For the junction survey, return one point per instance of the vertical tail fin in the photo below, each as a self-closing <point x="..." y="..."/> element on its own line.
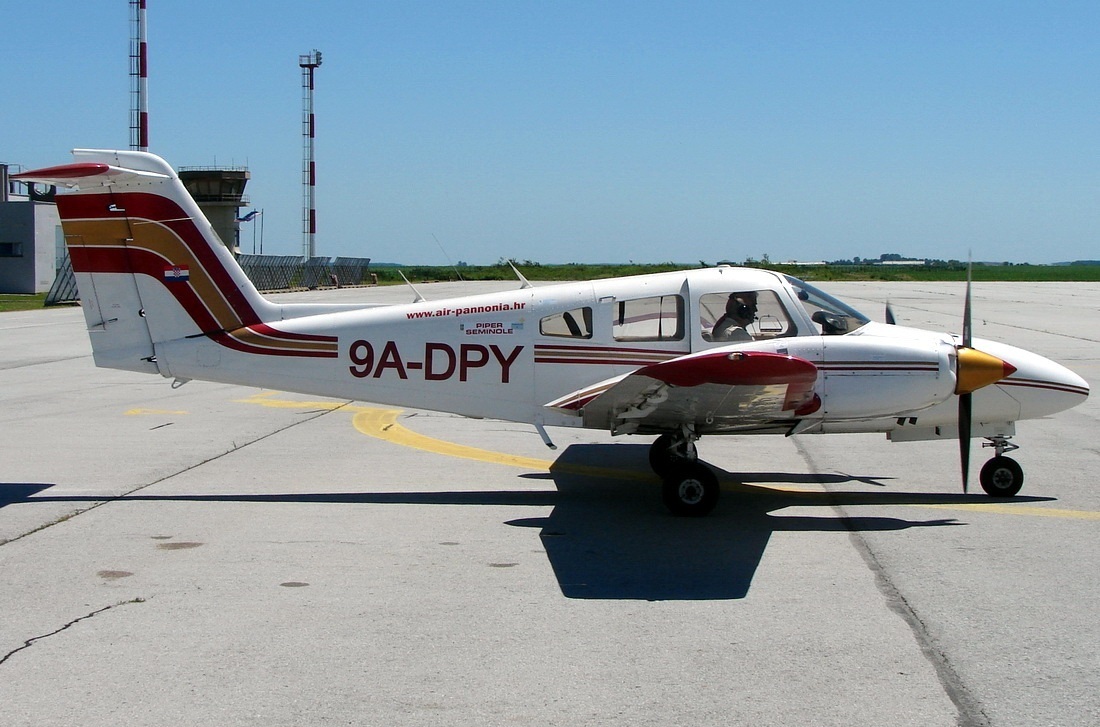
<point x="149" y="266"/>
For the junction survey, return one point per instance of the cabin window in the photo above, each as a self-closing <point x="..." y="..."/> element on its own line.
<point x="576" y="323"/>
<point x="735" y="316"/>
<point x="660" y="318"/>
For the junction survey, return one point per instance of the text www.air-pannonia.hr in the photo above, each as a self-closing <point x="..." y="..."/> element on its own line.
<point x="443" y="312"/>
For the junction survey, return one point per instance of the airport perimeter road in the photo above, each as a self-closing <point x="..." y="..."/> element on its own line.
<point x="216" y="555"/>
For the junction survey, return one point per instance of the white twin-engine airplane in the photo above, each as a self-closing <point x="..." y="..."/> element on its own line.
<point x="679" y="355"/>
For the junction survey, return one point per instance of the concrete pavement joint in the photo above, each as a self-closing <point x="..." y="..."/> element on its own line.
<point x="968" y="706"/>
<point x="139" y="488"/>
<point x="40" y="362"/>
<point x="990" y="321"/>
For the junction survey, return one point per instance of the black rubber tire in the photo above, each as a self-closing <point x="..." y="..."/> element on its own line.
<point x="1001" y="477"/>
<point x="665" y="456"/>
<point x="690" y="489"/>
<point x="661" y="456"/>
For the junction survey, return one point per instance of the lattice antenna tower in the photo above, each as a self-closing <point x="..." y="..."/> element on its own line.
<point x="139" y="77"/>
<point x="309" y="63"/>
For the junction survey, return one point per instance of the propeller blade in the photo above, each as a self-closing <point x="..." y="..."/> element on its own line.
<point x="965" y="397"/>
<point x="890" y="320"/>
<point x="967" y="330"/>
<point x="965" y="405"/>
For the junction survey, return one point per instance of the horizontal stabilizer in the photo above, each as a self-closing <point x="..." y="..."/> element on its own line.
<point x="87" y="174"/>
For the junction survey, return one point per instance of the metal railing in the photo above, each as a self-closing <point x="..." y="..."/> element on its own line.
<point x="63" y="289"/>
<point x="282" y="272"/>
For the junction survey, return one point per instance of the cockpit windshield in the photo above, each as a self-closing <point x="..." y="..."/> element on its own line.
<point x="832" y="315"/>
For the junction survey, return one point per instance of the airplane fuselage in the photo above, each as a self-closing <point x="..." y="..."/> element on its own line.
<point x="497" y="355"/>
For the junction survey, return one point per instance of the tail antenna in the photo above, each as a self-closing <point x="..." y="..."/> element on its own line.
<point x="449" y="262"/>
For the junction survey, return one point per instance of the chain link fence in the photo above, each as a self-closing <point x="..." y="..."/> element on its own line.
<point x="267" y="272"/>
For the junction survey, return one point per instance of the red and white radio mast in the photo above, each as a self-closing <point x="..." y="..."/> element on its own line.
<point x="308" y="64"/>
<point x="139" y="78"/>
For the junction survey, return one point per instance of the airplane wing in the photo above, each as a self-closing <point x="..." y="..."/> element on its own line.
<point x="721" y="390"/>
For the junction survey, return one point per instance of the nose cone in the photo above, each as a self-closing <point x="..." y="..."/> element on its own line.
<point x="976" y="369"/>
<point x="1041" y="386"/>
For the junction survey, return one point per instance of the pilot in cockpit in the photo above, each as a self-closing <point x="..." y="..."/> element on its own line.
<point x="733" y="325"/>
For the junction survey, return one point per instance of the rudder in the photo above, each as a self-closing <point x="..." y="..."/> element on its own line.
<point x="149" y="267"/>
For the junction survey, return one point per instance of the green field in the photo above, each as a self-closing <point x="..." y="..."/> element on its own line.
<point x="11" y="301"/>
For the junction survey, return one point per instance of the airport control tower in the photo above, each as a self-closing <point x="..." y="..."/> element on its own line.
<point x="219" y="192"/>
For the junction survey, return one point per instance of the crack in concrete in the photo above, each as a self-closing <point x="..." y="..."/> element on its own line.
<point x="31" y="641"/>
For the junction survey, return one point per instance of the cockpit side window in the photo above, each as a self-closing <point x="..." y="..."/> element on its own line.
<point x="744" y="315"/>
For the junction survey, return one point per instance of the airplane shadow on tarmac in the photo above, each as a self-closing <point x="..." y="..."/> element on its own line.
<point x="608" y="535"/>
<point x="611" y="538"/>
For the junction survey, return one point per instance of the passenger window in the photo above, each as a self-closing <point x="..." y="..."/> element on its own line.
<point x="743" y="316"/>
<point x="576" y="323"/>
<point x="660" y="318"/>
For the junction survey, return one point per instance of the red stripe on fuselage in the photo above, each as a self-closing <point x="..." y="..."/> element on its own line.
<point x="229" y="341"/>
<point x="266" y="330"/>
<point x="1041" y="384"/>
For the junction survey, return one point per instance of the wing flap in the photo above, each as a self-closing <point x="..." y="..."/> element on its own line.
<point x="717" y="390"/>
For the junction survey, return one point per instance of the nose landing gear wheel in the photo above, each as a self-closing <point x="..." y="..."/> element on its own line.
<point x="1001" y="477"/>
<point x="690" y="489"/>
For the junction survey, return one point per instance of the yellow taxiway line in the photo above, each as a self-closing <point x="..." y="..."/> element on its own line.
<point x="382" y="424"/>
<point x="1009" y="509"/>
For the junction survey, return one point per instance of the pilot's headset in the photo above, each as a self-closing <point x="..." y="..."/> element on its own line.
<point x="741" y="310"/>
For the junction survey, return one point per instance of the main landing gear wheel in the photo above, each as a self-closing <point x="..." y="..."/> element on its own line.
<point x="1001" y="477"/>
<point x="668" y="452"/>
<point x="690" y="489"/>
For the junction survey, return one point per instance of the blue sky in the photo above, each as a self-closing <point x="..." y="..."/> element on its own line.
<point x="601" y="131"/>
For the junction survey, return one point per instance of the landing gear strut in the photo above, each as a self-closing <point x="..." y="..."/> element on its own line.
<point x="1001" y="476"/>
<point x="689" y="487"/>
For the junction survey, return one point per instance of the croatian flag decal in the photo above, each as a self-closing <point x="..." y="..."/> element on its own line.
<point x="176" y="274"/>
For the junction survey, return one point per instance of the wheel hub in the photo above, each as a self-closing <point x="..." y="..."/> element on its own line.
<point x="691" y="492"/>
<point x="1002" y="477"/>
